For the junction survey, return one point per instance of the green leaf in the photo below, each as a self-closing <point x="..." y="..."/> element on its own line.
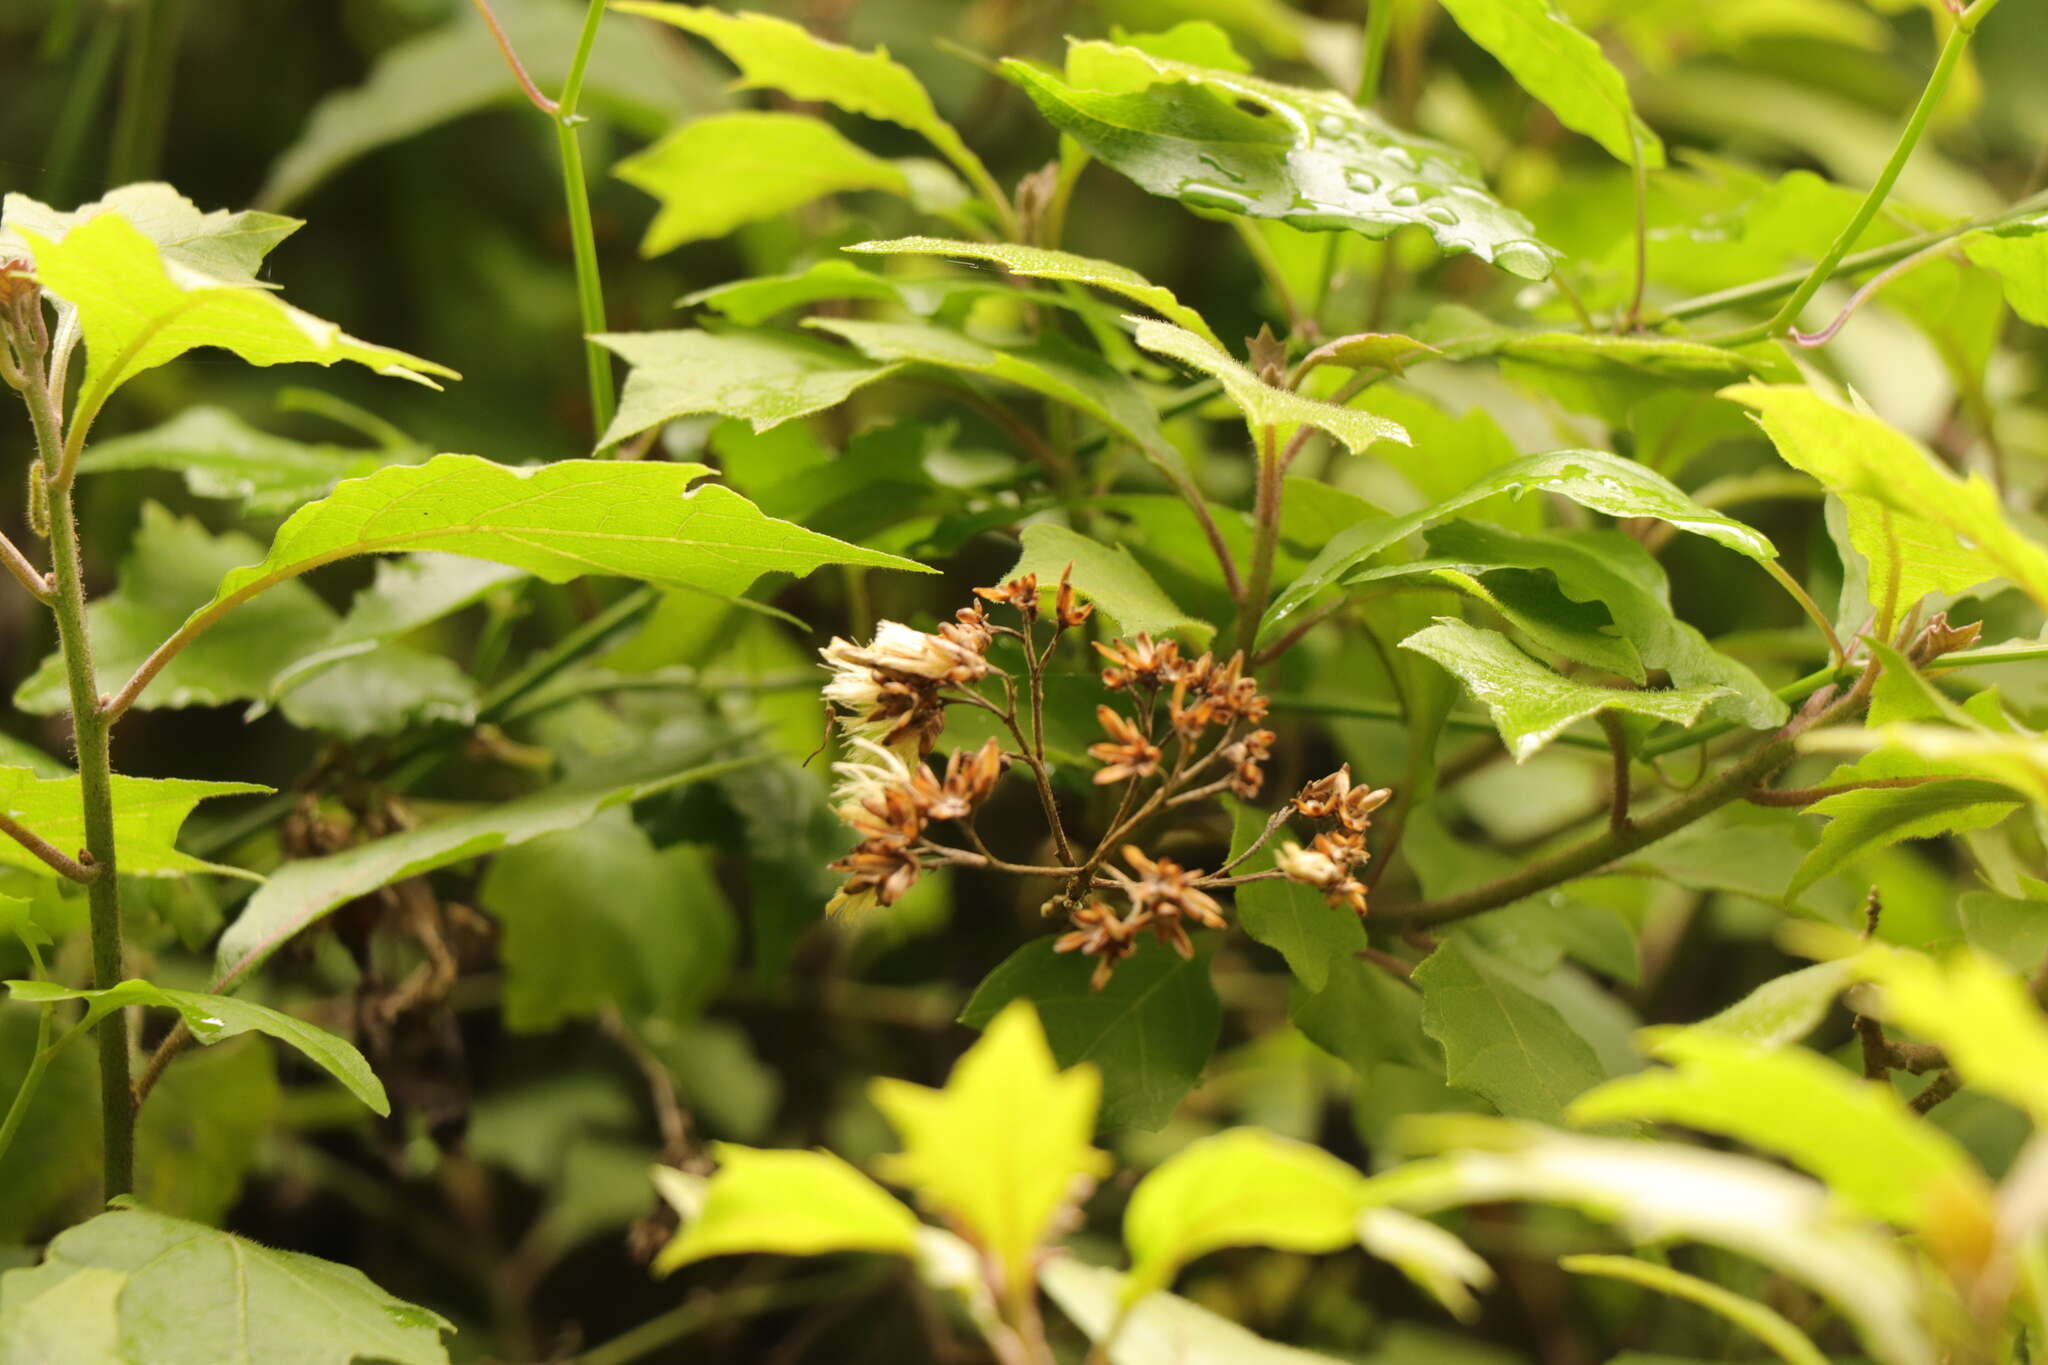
<point x="139" y="309"/>
<point x="1761" y="1321"/>
<point x="1290" y="918"/>
<point x="1242" y="1187"/>
<point x="1857" y="1137"/>
<point x="1531" y="705"/>
<point x="1388" y="351"/>
<point x="306" y="890"/>
<point x="1908" y="515"/>
<point x="1040" y="263"/>
<point x="597" y="917"/>
<point x="192" y="1296"/>
<point x="751" y="302"/>
<point x="227" y="246"/>
<point x="1221" y="141"/>
<point x="1500" y="1040"/>
<point x="1594" y="479"/>
<point x="1580" y="633"/>
<point x="791" y="1204"/>
<point x="212" y="1018"/>
<point x="1613" y="569"/>
<point x="715" y="173"/>
<point x="1979" y="1012"/>
<point x="1000" y="1147"/>
<point x="221" y="456"/>
<point x="404" y="594"/>
<point x="1150" y="1030"/>
<point x="1160" y="1327"/>
<point x="73" y="1323"/>
<point x="635" y="519"/>
<point x="1784" y="1009"/>
<point x="775" y="54"/>
<point x="2018" y="253"/>
<point x="1564" y="69"/>
<point x="457" y="69"/>
<point x="1862" y="822"/>
<point x="766" y="377"/>
<point x="1263" y="405"/>
<point x="1060" y="372"/>
<point x="1109" y="577"/>
<point x="169" y="571"/>
<point x="1362" y="1016"/>
<point x="1662" y="1191"/>
<point x="148" y="812"/>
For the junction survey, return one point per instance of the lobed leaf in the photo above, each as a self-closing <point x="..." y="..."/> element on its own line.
<point x="1232" y="143"/>
<point x="227" y="246"/>
<point x="1000" y="1148"/>
<point x="1862" y="822"/>
<point x="1530" y="704"/>
<point x="212" y="1018"/>
<point x="148" y="812"/>
<point x="713" y="174"/>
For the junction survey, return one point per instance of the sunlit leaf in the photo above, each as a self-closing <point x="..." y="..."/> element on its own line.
<point x="1044" y="264"/>
<point x="1434" y="1259"/>
<point x="1782" y="1010"/>
<point x="148" y="813"/>
<point x="212" y="1018"/>
<point x="1530" y="704"/>
<point x="1862" y="822"/>
<point x="226" y="246"/>
<point x="767" y="378"/>
<point x="2018" y="252"/>
<point x="1761" y="1321"/>
<point x="1109" y="577"/>
<point x="792" y="1204"/>
<point x="220" y="456"/>
<point x="189" y="1295"/>
<point x="1263" y="405"/>
<point x="999" y="1148"/>
<point x="1159" y="1327"/>
<point x="1564" y="69"/>
<point x="713" y="174"/>
<point x="1243" y="1187"/>
<point x="1222" y="141"/>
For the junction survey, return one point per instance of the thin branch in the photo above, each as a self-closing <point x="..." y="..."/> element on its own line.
<point x="1617" y="744"/>
<point x="1864" y="292"/>
<point x="533" y="92"/>
<point x="1806" y="796"/>
<point x="1943" y="1086"/>
<point x="669" y="1115"/>
<point x="84" y="873"/>
<point x="24" y="572"/>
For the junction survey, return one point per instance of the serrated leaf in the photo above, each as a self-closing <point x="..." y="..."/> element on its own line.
<point x="1060" y="372"/>
<point x="1160" y="1327"/>
<point x="1856" y="1136"/>
<point x="212" y="1018"/>
<point x="1906" y="509"/>
<point x="713" y="174"/>
<point x="1263" y="405"/>
<point x="1863" y="822"/>
<point x="1530" y="704"/>
<point x="1661" y="1191"/>
<point x="1222" y="141"/>
<point x="1109" y="577"/>
<point x="1150" y="1030"/>
<point x="999" y="1148"/>
<point x="1564" y="69"/>
<point x="1242" y="1187"/>
<point x="1499" y="1040"/>
<point x="306" y="890"/>
<point x="456" y="69"/>
<point x="1594" y="479"/>
<point x="193" y="1296"/>
<point x="148" y="813"/>
<point x="227" y="246"/>
<point x="1782" y="1010"/>
<point x="792" y="1204"/>
<point x="634" y="519"/>
<point x="776" y="54"/>
<point x="766" y="377"/>
<point x="169" y="571"/>
<point x="1041" y="263"/>
<point x="220" y="456"/>
<point x="139" y="309"/>
<point x="597" y="918"/>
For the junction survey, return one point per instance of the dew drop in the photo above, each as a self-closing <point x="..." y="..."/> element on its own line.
<point x="1524" y="258"/>
<point x="1364" y="181"/>
<point x="1203" y="194"/>
<point x="1441" y="215"/>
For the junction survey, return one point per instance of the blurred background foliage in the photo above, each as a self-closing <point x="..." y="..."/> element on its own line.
<point x="509" y="1194"/>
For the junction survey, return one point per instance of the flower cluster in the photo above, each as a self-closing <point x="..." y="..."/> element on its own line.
<point x="1200" y="694"/>
<point x="1331" y="861"/>
<point x="1022" y="593"/>
<point x="889" y="803"/>
<point x="888" y="691"/>
<point x="1163" y="896"/>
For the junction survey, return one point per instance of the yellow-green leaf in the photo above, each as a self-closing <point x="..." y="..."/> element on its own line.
<point x="1109" y="577"/>
<point x="1263" y="405"/>
<point x="1564" y="69"/>
<point x="999" y="1149"/>
<point x="147" y="815"/>
<point x="764" y="377"/>
<point x="792" y="1204"/>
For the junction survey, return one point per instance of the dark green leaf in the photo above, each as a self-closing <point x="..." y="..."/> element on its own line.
<point x="1499" y="1040"/>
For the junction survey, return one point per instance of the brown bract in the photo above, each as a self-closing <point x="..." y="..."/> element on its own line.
<point x="1127" y="753"/>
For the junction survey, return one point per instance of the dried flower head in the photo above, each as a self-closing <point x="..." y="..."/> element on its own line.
<point x="1020" y="592"/>
<point x="1165" y="895"/>
<point x="970" y="776"/>
<point x="1320" y="799"/>
<point x="1247" y="758"/>
<point x="889" y="689"/>
<point x="1142" y="661"/>
<point x="1354" y="810"/>
<point x="1066" y="610"/>
<point x="1100" y="933"/>
<point x="1326" y="867"/>
<point x="878" y="872"/>
<point x="1126" y="753"/>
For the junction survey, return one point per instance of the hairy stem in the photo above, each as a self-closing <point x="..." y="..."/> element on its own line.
<point x="1265" y="541"/>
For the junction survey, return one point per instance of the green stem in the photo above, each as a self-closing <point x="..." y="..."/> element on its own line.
<point x="1951" y="55"/>
<point x="1265" y="541"/>
<point x="17" y="1109"/>
<point x="145" y="91"/>
<point x="597" y="361"/>
<point x="1379" y="30"/>
<point x="75" y="115"/>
